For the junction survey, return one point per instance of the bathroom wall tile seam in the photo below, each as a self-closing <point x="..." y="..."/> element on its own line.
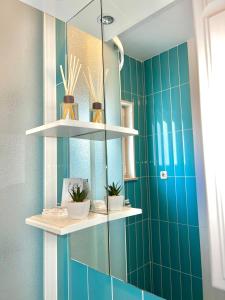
<point x="147" y="166"/>
<point x="131" y="94"/>
<point x="189" y="251"/>
<point x="167" y="205"/>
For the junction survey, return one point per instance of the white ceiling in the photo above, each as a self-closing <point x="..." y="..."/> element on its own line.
<point x="162" y="31"/>
<point x="126" y="13"/>
<point x="146" y="27"/>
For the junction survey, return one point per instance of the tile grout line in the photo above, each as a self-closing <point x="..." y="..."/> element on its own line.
<point x="175" y="184"/>
<point x="168" y="69"/>
<point x="189" y="250"/>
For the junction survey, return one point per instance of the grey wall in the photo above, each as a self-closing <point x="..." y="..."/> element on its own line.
<point x="21" y="164"/>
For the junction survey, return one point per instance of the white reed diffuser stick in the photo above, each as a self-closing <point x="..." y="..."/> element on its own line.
<point x="73" y="75"/>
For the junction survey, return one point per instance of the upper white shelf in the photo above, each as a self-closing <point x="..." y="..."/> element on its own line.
<point x="82" y="130"/>
<point x="66" y="225"/>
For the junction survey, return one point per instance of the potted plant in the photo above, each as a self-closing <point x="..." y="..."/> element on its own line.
<point x="79" y="206"/>
<point x="115" y="200"/>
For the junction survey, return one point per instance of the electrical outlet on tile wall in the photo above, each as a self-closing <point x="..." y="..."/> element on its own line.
<point x="163" y="175"/>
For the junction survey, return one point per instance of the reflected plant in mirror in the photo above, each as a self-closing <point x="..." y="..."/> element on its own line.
<point x="115" y="200"/>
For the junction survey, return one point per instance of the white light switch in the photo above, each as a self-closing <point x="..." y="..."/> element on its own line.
<point x="163" y="175"/>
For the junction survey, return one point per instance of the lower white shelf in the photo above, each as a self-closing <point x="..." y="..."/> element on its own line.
<point x="66" y="225"/>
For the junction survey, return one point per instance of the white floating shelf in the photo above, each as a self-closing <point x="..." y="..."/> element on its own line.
<point x="66" y="225"/>
<point x="82" y="130"/>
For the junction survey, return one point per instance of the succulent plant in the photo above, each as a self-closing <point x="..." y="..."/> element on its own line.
<point x="78" y="195"/>
<point x="114" y="189"/>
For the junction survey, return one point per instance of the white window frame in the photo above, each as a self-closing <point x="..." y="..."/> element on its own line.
<point x="128" y="142"/>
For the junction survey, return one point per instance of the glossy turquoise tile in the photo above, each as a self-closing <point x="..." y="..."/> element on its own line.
<point x="156" y="74"/>
<point x="137" y="149"/>
<point x="154" y="204"/>
<point x="148" y="77"/>
<point x="178" y="153"/>
<point x="124" y="291"/>
<point x="147" y="273"/>
<point x="171" y="199"/>
<point x="183" y="63"/>
<point x="197" y="288"/>
<point x="166" y="284"/>
<point x="132" y="247"/>
<point x="174" y="246"/>
<point x="60" y="48"/>
<point x="140" y="254"/>
<point x="158" y="113"/>
<point x="149" y="115"/>
<point x="131" y="193"/>
<point x="176" y="285"/>
<point x="60" y="95"/>
<point x="173" y="66"/>
<point x="152" y="155"/>
<point x="186" y="286"/>
<point x="140" y="78"/>
<point x="99" y="285"/>
<point x="192" y="205"/>
<point x="165" y="242"/>
<point x="62" y="266"/>
<point x="142" y="114"/>
<point x="133" y="70"/>
<point x="127" y="77"/>
<point x="159" y="153"/>
<point x="176" y="109"/>
<point x="78" y="288"/>
<point x="189" y="161"/>
<point x="128" y="248"/>
<point x="127" y="95"/>
<point x="138" y="193"/>
<point x="122" y="80"/>
<point x="162" y="198"/>
<point x="169" y="154"/>
<point x="164" y="64"/>
<point x="167" y="110"/>
<point x="141" y="278"/>
<point x="148" y="296"/>
<point x="185" y="263"/>
<point x="195" y="251"/>
<point x="145" y="195"/>
<point x="186" y="106"/>
<point x="157" y="280"/>
<point x="155" y="225"/>
<point x="134" y="278"/>
<point x="136" y="112"/>
<point x="181" y="200"/>
<point x="146" y="241"/>
<point x="123" y="95"/>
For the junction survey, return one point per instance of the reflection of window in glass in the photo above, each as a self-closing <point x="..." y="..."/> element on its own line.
<point x="127" y="120"/>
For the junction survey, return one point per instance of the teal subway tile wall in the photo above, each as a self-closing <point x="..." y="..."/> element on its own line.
<point x="163" y="244"/>
<point x="88" y="284"/>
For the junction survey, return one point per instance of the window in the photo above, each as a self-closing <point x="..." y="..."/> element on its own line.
<point x="127" y="120"/>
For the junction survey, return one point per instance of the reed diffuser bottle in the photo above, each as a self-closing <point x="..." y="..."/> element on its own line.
<point x="69" y="109"/>
<point x="95" y="88"/>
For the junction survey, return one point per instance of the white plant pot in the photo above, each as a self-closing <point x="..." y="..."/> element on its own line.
<point x="78" y="210"/>
<point x="116" y="202"/>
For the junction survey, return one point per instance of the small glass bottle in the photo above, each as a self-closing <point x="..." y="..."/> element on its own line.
<point x="97" y="113"/>
<point x="69" y="109"/>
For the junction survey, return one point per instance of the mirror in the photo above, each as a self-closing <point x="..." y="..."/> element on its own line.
<point x="154" y="249"/>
